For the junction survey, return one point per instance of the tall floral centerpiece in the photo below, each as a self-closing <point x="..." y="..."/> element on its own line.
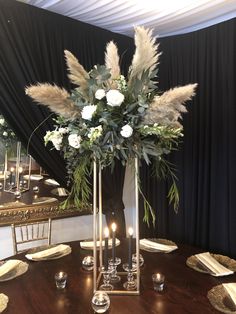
<point x="110" y="117"/>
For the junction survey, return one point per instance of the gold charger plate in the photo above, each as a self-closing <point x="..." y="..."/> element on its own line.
<point x="2" y="175"/>
<point x="157" y="240"/>
<point x="90" y="244"/>
<point x="50" y="257"/>
<point x="195" y="264"/>
<point x="13" y="204"/>
<point x="44" y="199"/>
<point x="3" y="302"/>
<point x="220" y="300"/>
<point x="19" y="270"/>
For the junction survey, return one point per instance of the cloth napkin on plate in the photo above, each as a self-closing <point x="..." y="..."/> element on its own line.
<point x="3" y="302"/>
<point x="158" y="246"/>
<point x="62" y="249"/>
<point x="51" y="182"/>
<point x="231" y="290"/>
<point x="33" y="177"/>
<point x="62" y="192"/>
<point x="213" y="265"/>
<point x="8" y="266"/>
<point x="89" y="244"/>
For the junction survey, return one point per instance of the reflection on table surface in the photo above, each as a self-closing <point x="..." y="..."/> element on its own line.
<point x="185" y="289"/>
<point x="38" y="189"/>
<point x="41" y="201"/>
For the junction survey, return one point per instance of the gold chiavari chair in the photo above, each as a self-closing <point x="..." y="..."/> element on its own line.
<point x="30" y="232"/>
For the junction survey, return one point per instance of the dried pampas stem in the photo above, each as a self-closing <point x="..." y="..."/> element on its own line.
<point x="56" y="98"/>
<point x="167" y="108"/>
<point x="77" y="74"/>
<point x="112" y="62"/>
<point x="146" y="55"/>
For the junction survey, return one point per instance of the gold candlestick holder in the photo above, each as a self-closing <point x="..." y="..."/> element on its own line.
<point x="98" y="232"/>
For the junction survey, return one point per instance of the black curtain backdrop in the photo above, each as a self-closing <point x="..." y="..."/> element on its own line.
<point x="32" y="50"/>
<point x="32" y="44"/>
<point x="206" y="161"/>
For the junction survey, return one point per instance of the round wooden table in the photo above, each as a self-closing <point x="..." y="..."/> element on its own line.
<point x="185" y="289"/>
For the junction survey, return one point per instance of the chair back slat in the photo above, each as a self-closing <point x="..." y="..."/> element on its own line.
<point x="30" y="232"/>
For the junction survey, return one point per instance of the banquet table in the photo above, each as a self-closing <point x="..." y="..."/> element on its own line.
<point x="185" y="289"/>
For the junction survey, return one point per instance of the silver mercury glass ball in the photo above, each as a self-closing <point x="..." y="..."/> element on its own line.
<point x="36" y="189"/>
<point x="17" y="194"/>
<point x="100" y="302"/>
<point x="88" y="263"/>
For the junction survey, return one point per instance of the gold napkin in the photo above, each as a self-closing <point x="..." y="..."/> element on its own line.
<point x="213" y="265"/>
<point x="231" y="290"/>
<point x="51" y="182"/>
<point x="89" y="244"/>
<point x="33" y="177"/>
<point x="59" y="249"/>
<point x="8" y="266"/>
<point x="62" y="192"/>
<point x="158" y="246"/>
<point x="3" y="302"/>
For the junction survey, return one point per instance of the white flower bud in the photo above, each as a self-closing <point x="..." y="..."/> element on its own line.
<point x="126" y="131"/>
<point x="100" y="93"/>
<point x="63" y="130"/>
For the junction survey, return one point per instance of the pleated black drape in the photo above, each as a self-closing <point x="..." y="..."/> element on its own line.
<point x="32" y="50"/>
<point x="206" y="161"/>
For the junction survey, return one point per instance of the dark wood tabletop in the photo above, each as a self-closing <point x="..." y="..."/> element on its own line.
<point x="27" y="208"/>
<point x="185" y="289"/>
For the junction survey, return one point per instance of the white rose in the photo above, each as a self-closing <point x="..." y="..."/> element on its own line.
<point x="74" y="140"/>
<point x="100" y="93"/>
<point x="5" y="133"/>
<point x="114" y="98"/>
<point x="88" y="111"/>
<point x="2" y="121"/>
<point x="63" y="130"/>
<point x="126" y="131"/>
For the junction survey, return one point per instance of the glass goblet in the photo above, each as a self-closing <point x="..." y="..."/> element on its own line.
<point x="106" y="286"/>
<point x="130" y="284"/>
<point x="113" y="265"/>
<point x="134" y="259"/>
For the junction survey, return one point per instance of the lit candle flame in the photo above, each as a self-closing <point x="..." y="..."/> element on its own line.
<point x="106" y="232"/>
<point x="113" y="227"/>
<point x="130" y="231"/>
<point x="12" y="169"/>
<point x="61" y="274"/>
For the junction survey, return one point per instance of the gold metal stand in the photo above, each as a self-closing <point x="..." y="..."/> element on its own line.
<point x="98" y="231"/>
